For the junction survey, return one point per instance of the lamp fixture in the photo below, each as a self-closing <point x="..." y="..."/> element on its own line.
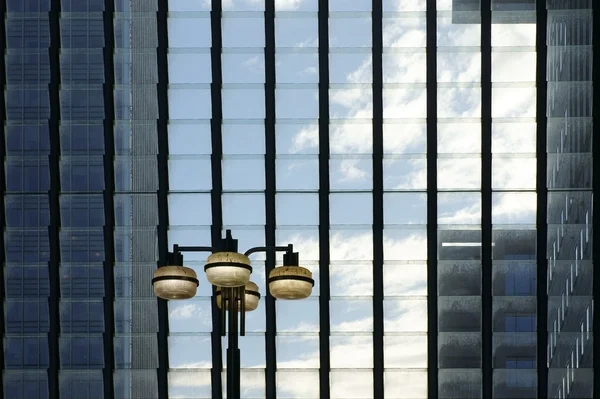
<point x="234" y="294"/>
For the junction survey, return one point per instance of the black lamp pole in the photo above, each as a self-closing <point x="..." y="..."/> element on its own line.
<point x="232" y="302"/>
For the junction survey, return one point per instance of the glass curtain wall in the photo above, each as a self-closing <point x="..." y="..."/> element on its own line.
<point x="297" y="184"/>
<point x="350" y="103"/>
<point x="280" y="144"/>
<point x="569" y="137"/>
<point x="26" y="238"/>
<point x="190" y="183"/>
<point x="135" y="199"/>
<point x="405" y="243"/>
<point x="459" y="171"/>
<point x="243" y="177"/>
<point x="82" y="183"/>
<point x="65" y="332"/>
<point x="514" y="201"/>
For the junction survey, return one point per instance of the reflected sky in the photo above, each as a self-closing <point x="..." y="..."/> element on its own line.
<point x="351" y="176"/>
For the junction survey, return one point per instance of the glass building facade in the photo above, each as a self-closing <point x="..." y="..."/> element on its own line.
<point x="432" y="161"/>
<point x="79" y="192"/>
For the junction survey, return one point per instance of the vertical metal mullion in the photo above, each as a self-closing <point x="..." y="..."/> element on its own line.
<point x="542" y="199"/>
<point x="54" y="194"/>
<point x="432" y="275"/>
<point x="217" y="185"/>
<point x="378" y="316"/>
<point x="2" y="185"/>
<point x="163" y="190"/>
<point x="109" y="205"/>
<point x="596" y="193"/>
<point x="324" y="251"/>
<point x="271" y="222"/>
<point x="486" y="197"/>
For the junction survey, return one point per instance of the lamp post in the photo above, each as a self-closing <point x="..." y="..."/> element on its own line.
<point x="229" y="271"/>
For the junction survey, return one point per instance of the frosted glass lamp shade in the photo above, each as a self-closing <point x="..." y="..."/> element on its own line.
<point x="228" y="269"/>
<point x="291" y="282"/>
<point x="252" y="297"/>
<point x="175" y="282"/>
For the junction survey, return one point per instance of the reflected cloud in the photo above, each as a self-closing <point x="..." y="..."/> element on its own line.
<point x="405" y="249"/>
<point x="459" y="208"/>
<point x="351" y="174"/>
<point x="185" y="311"/>
<point x="514" y="208"/>
<point x="307" y="137"/>
<point x="190" y="316"/>
<point x="195" y="365"/>
<point x="405" y="174"/>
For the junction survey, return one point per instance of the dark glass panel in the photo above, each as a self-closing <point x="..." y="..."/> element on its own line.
<point x="81" y="385"/>
<point x="31" y="384"/>
<point x="27" y="211"/>
<point x="82" y="317"/>
<point x="27" y="140"/>
<point x="28" y="32"/>
<point x="82" y="6"/>
<point x="82" y="104"/>
<point x="27" y="175"/>
<point x="83" y="352"/>
<point x="82" y="67"/>
<point x="31" y="246"/>
<point x="82" y="174"/>
<point x="26" y="317"/>
<point x="26" y="281"/>
<point x="82" y="245"/>
<point x="82" y="281"/>
<point x="82" y="210"/>
<point x="29" y="352"/>
<point x="82" y="139"/>
<point x="28" y="6"/>
<point x="27" y="68"/>
<point x="27" y="103"/>
<point x="82" y="32"/>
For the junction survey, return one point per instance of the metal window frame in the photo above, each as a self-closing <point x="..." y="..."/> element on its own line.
<point x="163" y="190"/>
<point x="486" y="199"/>
<point x="270" y="190"/>
<point x="54" y="193"/>
<point x="595" y="187"/>
<point x="542" y="200"/>
<point x="2" y="184"/>
<point x="378" y="212"/>
<point x="432" y="207"/>
<point x="324" y="250"/>
<point x="217" y="184"/>
<point x="109" y="202"/>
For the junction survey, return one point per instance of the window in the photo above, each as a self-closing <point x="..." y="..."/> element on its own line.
<point x="520" y="363"/>
<point x="81" y="352"/>
<point x="519" y="323"/>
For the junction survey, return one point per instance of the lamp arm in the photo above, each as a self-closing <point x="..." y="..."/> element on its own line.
<point x="177" y="248"/>
<point x="288" y="248"/>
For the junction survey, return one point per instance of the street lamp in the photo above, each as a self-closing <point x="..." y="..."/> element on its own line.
<point x="229" y="271"/>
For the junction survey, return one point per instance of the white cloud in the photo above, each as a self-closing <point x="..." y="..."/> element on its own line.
<point x="184" y="311"/>
<point x="190" y="316"/>
<point x="404" y="5"/>
<point x="285" y="5"/>
<point x="350" y="171"/>
<point x="513" y="35"/>
<point x="307" y="137"/>
<point x="194" y="365"/>
<point x="405" y="249"/>
<point x="514" y="208"/>
<point x="349" y="138"/>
